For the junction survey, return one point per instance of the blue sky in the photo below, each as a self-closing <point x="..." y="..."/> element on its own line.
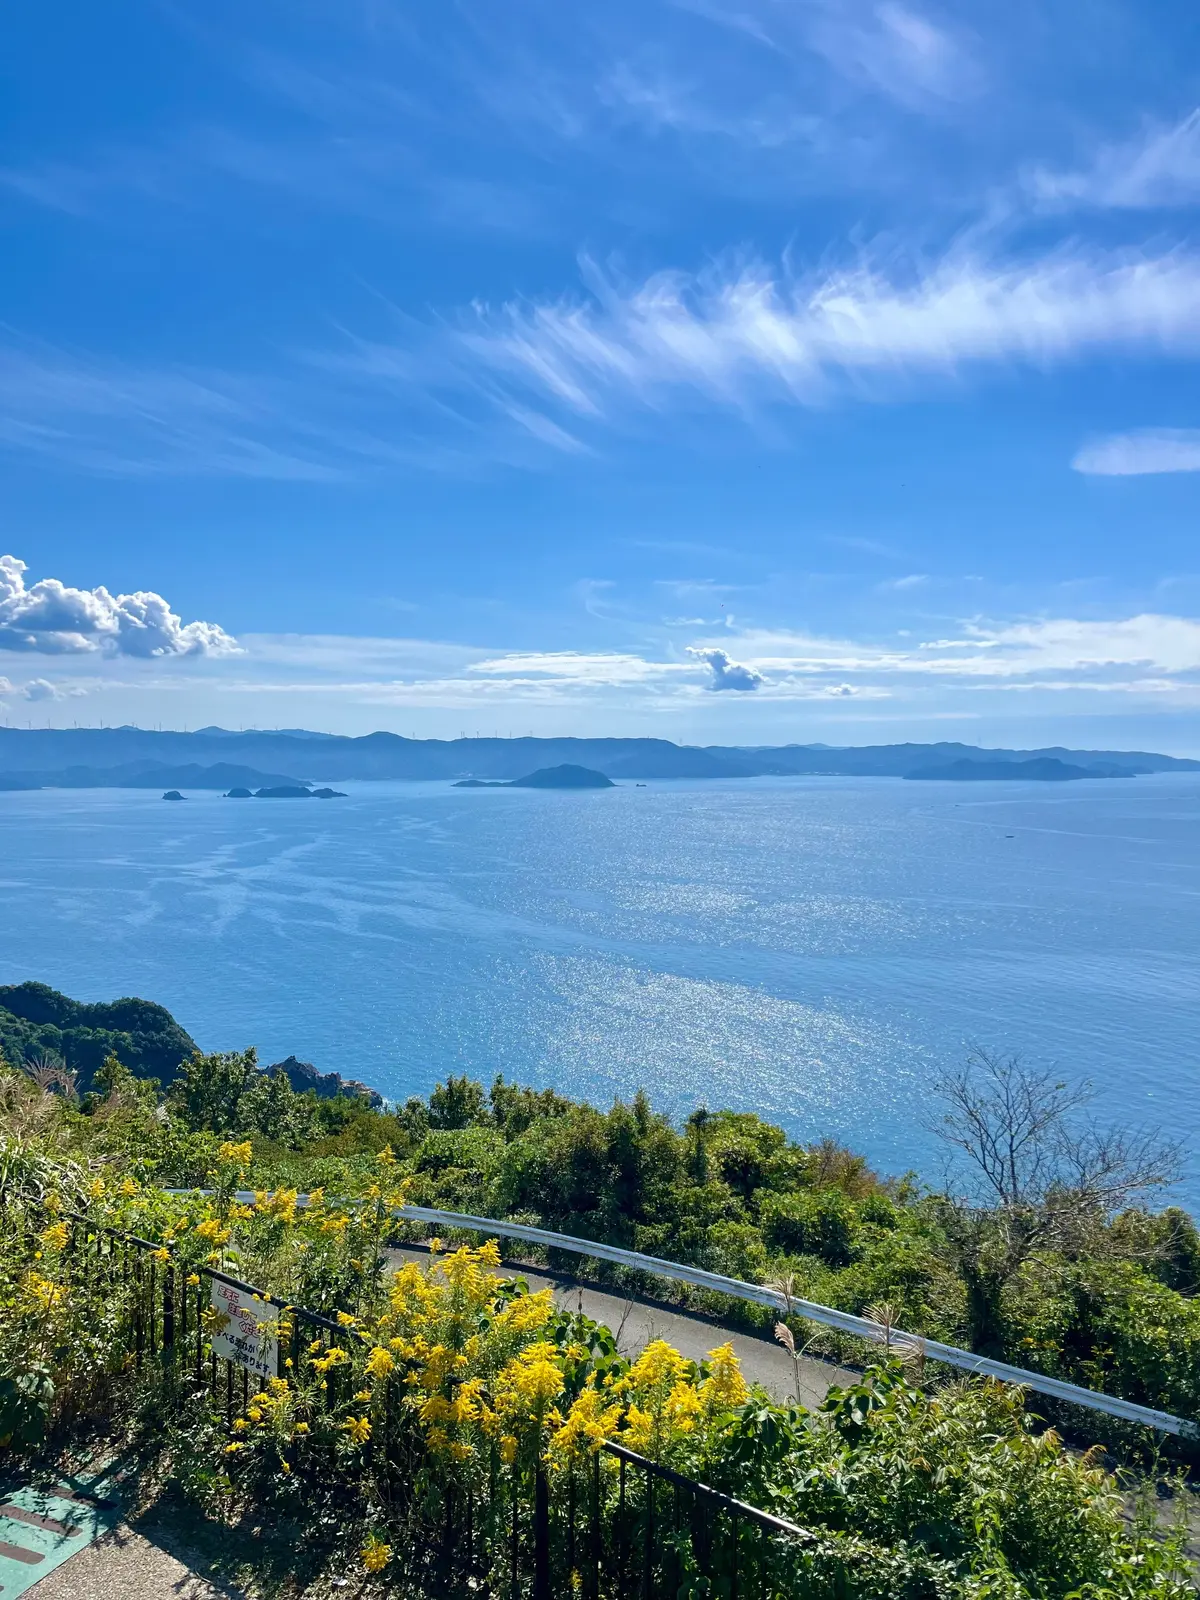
<point x="729" y="370"/>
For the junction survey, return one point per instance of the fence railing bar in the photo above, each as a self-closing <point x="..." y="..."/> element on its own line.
<point x="759" y="1294"/>
<point x="726" y="1501"/>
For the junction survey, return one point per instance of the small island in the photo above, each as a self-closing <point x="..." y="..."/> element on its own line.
<point x="238" y="794"/>
<point x="563" y="777"/>
<point x="1042" y="769"/>
<point x="296" y="791"/>
<point x="172" y="794"/>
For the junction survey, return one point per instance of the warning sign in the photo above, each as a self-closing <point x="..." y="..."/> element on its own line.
<point x="238" y="1337"/>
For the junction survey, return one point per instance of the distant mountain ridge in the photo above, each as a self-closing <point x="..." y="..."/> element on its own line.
<point x="147" y="775"/>
<point x="140" y="757"/>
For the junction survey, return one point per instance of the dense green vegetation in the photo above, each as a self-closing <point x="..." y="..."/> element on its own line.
<point x="442" y="1381"/>
<point x="1088" y="1287"/>
<point x="38" y="1023"/>
<point x="1060" y="1264"/>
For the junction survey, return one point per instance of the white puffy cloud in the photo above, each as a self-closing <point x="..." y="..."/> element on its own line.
<point x="727" y="673"/>
<point x="50" y="618"/>
<point x="41" y="689"/>
<point x="1144" y="451"/>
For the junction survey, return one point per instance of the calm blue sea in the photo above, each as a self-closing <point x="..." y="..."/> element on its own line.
<point x="813" y="950"/>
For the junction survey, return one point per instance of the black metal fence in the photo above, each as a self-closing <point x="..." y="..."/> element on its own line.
<point x="614" y="1525"/>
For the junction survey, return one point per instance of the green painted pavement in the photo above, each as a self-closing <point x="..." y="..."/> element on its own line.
<point x="42" y="1527"/>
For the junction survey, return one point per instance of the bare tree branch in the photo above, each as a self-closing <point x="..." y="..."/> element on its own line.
<point x="1038" y="1176"/>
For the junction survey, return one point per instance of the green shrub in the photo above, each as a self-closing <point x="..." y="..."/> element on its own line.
<point x="818" y="1222"/>
<point x="738" y="1251"/>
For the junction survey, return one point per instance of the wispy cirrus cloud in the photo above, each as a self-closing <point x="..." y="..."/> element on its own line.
<point x="1140" y="453"/>
<point x="741" y="334"/>
<point x="1023" y="649"/>
<point x="1157" y="169"/>
<point x="609" y="668"/>
<point x="116" y="417"/>
<point x="898" y="50"/>
<point x="903" y="52"/>
<point x="531" y="380"/>
<point x="463" y="117"/>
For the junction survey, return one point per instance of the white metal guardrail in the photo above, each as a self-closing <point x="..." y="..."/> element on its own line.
<point x="760" y="1294"/>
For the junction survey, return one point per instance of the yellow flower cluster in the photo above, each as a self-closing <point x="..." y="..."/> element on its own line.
<point x="381" y="1362"/>
<point x="236" y="1155"/>
<point x="335" y="1356"/>
<point x="725" y="1387"/>
<point x="278" y="1205"/>
<point x="590" y="1422"/>
<point x="660" y="1400"/>
<point x="272" y="1412"/>
<point x="528" y="1313"/>
<point x="376" y="1554"/>
<point x="529" y="1382"/>
<point x="477" y="1365"/>
<point x="43" y="1294"/>
<point x="55" y="1236"/>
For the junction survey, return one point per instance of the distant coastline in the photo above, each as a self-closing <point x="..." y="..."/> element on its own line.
<point x="1043" y="769"/>
<point x="214" y="758"/>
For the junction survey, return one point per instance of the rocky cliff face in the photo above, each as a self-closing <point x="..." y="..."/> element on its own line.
<point x="303" y="1076"/>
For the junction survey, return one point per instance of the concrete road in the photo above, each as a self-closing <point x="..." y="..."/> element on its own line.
<point x="636" y="1322"/>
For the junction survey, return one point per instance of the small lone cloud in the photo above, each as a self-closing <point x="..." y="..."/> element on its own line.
<point x="727" y="673"/>
<point x="42" y="689"/>
<point x="1138" y="454"/>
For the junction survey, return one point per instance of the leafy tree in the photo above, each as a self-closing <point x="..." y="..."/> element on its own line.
<point x="209" y="1088"/>
<point x="457" y="1103"/>
<point x="114" y="1083"/>
<point x="268" y="1105"/>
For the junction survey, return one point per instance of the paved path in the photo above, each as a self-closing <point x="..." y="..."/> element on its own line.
<point x="43" y="1527"/>
<point x="637" y="1322"/>
<point x="125" y="1565"/>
